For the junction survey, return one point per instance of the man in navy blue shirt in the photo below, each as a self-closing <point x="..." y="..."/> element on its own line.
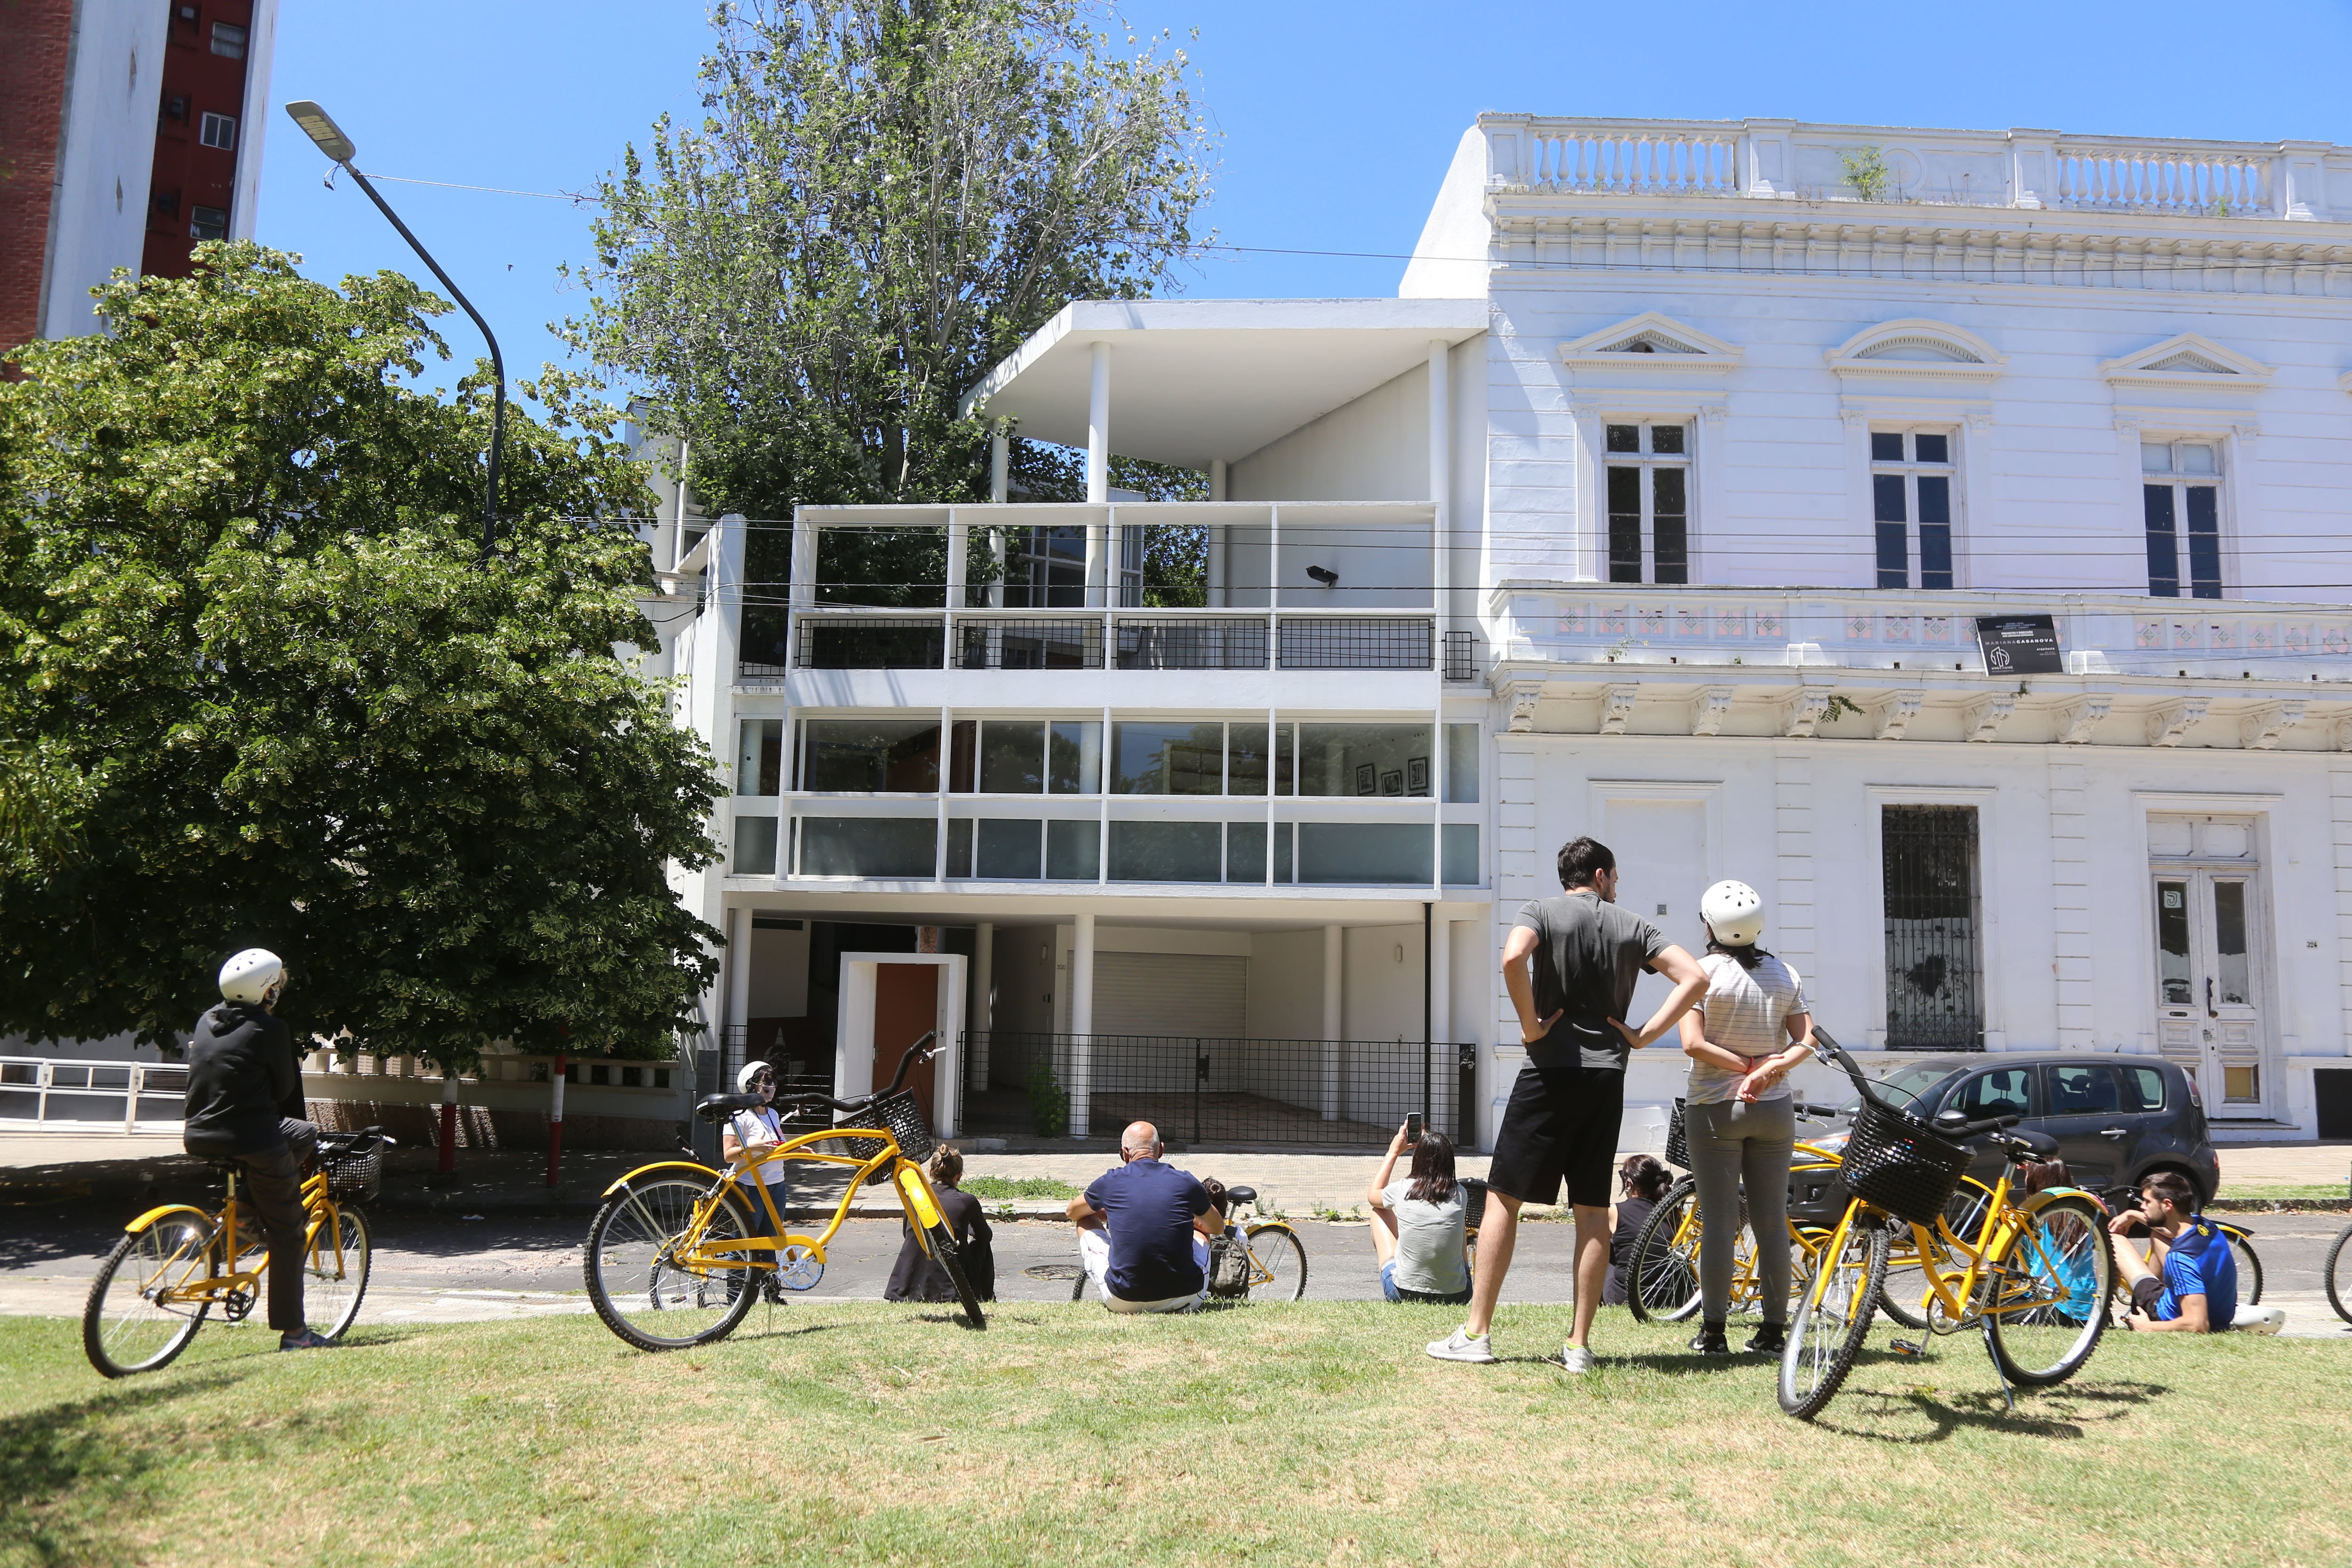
<point x="2189" y="1284"/>
<point x="1143" y="1229"/>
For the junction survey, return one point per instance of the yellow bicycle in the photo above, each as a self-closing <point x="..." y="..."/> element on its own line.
<point x="176" y="1263"/>
<point x="2035" y="1278"/>
<point x="675" y="1256"/>
<point x="1662" y="1270"/>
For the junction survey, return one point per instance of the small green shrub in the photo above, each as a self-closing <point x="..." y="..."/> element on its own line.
<point x="1049" y="1103"/>
<point x="1866" y="171"/>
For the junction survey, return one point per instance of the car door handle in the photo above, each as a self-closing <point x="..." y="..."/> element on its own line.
<point x="2113" y="1132"/>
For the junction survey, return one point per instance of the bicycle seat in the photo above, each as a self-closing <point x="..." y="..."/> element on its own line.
<point x="2024" y="1144"/>
<point x="720" y="1107"/>
<point x="1236" y="1197"/>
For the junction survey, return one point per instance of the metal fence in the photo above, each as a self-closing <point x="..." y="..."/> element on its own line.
<point x="872" y="643"/>
<point x="1224" y="642"/>
<point x="1011" y="643"/>
<point x="60" y="1091"/>
<point x="1316" y="1093"/>
<point x="1349" y="643"/>
<point x="1460" y="660"/>
<point x="1935" y="996"/>
<point x="736" y="1049"/>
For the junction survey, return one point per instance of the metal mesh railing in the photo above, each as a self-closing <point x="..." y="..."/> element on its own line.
<point x="1028" y="645"/>
<point x="888" y="642"/>
<point x="1353" y="643"/>
<point x="1223" y="642"/>
<point x="1460" y="662"/>
<point x="1319" y="1093"/>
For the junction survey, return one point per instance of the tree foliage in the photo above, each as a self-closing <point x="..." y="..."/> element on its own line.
<point x="251" y="645"/>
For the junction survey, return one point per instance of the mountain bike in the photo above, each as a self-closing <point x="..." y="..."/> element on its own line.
<point x="1259" y="1260"/>
<point x="176" y="1263"/>
<point x="2035" y="1278"/>
<point x="674" y="1258"/>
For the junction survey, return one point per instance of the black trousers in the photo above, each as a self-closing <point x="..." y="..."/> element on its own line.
<point x="272" y="1186"/>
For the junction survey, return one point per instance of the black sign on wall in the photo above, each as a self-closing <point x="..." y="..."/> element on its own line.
<point x="2019" y="645"/>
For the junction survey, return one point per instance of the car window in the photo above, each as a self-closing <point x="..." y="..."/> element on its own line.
<point x="2143" y="1088"/>
<point x="2086" y="1089"/>
<point x="2005" y="1091"/>
<point x="1910" y="1086"/>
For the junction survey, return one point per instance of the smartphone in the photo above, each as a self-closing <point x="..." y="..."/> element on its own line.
<point x="1412" y="1129"/>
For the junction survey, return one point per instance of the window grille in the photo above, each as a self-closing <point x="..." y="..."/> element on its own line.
<point x="1351" y="644"/>
<point x="1647" y="472"/>
<point x="883" y="642"/>
<point x="1029" y="644"/>
<point x="1934" y="963"/>
<point x="1911" y="475"/>
<point x="1459" y="661"/>
<point x="1219" y="643"/>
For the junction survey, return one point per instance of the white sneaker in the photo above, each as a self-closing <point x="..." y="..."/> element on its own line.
<point x="1460" y="1346"/>
<point x="1576" y="1358"/>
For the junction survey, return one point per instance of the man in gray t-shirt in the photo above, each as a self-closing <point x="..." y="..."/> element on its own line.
<point x="1570" y="965"/>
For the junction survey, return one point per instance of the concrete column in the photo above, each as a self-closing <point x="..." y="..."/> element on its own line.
<point x="1442" y="1075"/>
<point x="1220" y="584"/>
<point x="738" y="989"/>
<point x="1098" y="427"/>
<point x="1082" y="1027"/>
<point x="1218" y="478"/>
<point x="1000" y="468"/>
<point x="1441" y="473"/>
<point x="959" y="550"/>
<point x="1334" y="951"/>
<point x="982" y="1014"/>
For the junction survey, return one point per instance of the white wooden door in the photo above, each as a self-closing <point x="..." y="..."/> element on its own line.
<point x="2209" y="1007"/>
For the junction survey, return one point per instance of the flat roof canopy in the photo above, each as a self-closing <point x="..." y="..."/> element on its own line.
<point x="1196" y="380"/>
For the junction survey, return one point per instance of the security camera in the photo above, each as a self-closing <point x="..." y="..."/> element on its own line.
<point x="1324" y="575"/>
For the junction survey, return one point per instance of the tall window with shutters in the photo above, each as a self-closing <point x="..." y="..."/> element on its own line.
<point x="2180" y="494"/>
<point x="1911" y="501"/>
<point x="1647" y="471"/>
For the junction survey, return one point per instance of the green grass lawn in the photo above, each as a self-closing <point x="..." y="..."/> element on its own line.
<point x="1018" y="1188"/>
<point x="1314" y="1433"/>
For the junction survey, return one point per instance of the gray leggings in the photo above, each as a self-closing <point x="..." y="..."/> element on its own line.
<point x="1728" y="1141"/>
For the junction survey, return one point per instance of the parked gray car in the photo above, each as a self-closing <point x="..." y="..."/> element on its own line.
<point x="2116" y="1119"/>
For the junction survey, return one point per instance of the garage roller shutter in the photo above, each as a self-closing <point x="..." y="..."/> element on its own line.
<point x="1171" y="994"/>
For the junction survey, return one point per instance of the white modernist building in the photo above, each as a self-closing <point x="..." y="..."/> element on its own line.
<point x="1677" y="500"/>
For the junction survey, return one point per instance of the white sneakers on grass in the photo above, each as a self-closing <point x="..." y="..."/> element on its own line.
<point x="1576" y="1358"/>
<point x="1462" y="1346"/>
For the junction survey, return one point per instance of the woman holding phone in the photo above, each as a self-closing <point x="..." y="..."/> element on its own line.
<point x="1750" y="1028"/>
<point x="1418" y="1223"/>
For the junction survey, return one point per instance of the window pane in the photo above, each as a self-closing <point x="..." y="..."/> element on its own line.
<point x="1246" y="759"/>
<point x="1935" y="555"/>
<point x="1461" y="853"/>
<point x="1363" y="852"/>
<point x="2204" y="542"/>
<point x="1284" y="834"/>
<point x="2085" y="1090"/>
<point x="2009" y="1091"/>
<point x="2199" y="457"/>
<point x="1935" y="498"/>
<point x="1076" y="756"/>
<point x="1669" y="526"/>
<point x="2143" y="1088"/>
<point x="1886" y="445"/>
<point x="2156" y="457"/>
<point x="958" y="847"/>
<point x="1013" y="756"/>
<point x="900" y="848"/>
<point x="755" y="847"/>
<point x="2163" y="555"/>
<point x="1167" y="759"/>
<point x="1625" y="437"/>
<point x="1363" y="760"/>
<point x="759" y="765"/>
<point x="1462" y="749"/>
<point x="1624" y="525"/>
<point x="1073" y="851"/>
<point x="1932" y="448"/>
<point x="228" y="41"/>
<point x="2229" y="942"/>
<point x="1894" y="556"/>
<point x="1246" y="852"/>
<point x="1666" y="438"/>
<point x="897" y="755"/>
<point x="1286" y="759"/>
<point x="963" y="746"/>
<point x="1165" y="851"/>
<point x="1886" y="499"/>
<point x="2173" y="942"/>
<point x="1008" y="850"/>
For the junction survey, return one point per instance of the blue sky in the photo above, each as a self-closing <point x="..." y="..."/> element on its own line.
<point x="1339" y="119"/>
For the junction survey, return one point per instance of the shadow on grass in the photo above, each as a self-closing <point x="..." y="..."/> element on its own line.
<point x="1947" y="1413"/>
<point x="66" y="1466"/>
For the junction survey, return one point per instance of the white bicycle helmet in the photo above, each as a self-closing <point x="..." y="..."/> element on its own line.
<point x="748" y="1071"/>
<point x="1734" y="913"/>
<point x="254" y="976"/>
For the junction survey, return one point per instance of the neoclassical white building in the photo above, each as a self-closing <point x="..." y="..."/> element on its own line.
<point x="1677" y="499"/>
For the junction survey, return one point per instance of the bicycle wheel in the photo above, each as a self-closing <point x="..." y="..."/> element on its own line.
<point x="1906" y="1297"/>
<point x="2048" y="1303"/>
<point x="335" y="1274"/>
<point x="123" y="1328"/>
<point x="2250" y="1267"/>
<point x="943" y="1247"/>
<point x="1277" y="1263"/>
<point x="636" y="1281"/>
<point x="1662" y="1275"/>
<point x="1832" y="1317"/>
<point x="2337" y="1273"/>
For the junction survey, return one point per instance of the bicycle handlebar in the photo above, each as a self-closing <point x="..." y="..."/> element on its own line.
<point x="1817" y="1112"/>
<point x="915" y="1053"/>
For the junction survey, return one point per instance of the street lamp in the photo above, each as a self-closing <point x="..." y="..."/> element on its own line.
<point x="323" y="129"/>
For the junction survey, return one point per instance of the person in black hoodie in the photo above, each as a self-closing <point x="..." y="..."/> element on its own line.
<point x="244" y="1105"/>
<point x="916" y="1278"/>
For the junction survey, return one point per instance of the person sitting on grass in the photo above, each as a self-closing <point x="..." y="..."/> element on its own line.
<point x="1641" y="1184"/>
<point x="1143" y="1229"/>
<point x="917" y="1276"/>
<point x="1418" y="1224"/>
<point x="2188" y="1281"/>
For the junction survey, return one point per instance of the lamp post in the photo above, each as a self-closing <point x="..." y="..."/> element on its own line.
<point x="330" y="140"/>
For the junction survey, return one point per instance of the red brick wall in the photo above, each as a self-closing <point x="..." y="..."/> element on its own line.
<point x="187" y="175"/>
<point x="35" y="38"/>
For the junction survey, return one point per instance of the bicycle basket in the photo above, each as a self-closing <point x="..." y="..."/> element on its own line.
<point x="1678" y="1140"/>
<point x="902" y="1113"/>
<point x="1902" y="1165"/>
<point x="354" y="1177"/>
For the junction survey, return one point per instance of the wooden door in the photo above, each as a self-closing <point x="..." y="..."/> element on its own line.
<point x="906" y="1008"/>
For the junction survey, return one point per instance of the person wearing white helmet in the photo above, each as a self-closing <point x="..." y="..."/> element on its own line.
<point x="244" y="1105"/>
<point x="748" y="1135"/>
<point x="1750" y="1028"/>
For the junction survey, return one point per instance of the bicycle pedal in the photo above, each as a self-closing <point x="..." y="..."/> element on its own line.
<point x="1906" y="1347"/>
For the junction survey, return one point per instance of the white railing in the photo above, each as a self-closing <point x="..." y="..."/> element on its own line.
<point x="38" y="1083"/>
<point x="1634" y="161"/>
<point x="2218" y="183"/>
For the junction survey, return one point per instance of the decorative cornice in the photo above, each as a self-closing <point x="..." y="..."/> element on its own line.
<point x="1617" y="707"/>
<point x="2077" y="718"/>
<point x="2260" y="730"/>
<point x="1801" y="715"/>
<point x="2188" y="363"/>
<point x="1692" y="349"/>
<point x="1524" y="695"/>
<point x="1709" y="706"/>
<point x="1894" y="714"/>
<point x="1982" y="719"/>
<point x="2167" y="724"/>
<point x="1969" y="358"/>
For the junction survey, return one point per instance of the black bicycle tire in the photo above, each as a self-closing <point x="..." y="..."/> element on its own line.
<point x="2093" y="1217"/>
<point x="737" y="1309"/>
<point x="2339" y="1297"/>
<point x="352" y="1213"/>
<point x="1249" y="1238"/>
<point x="1078" y="1287"/>
<point x="1685" y="1190"/>
<point x="106" y="1365"/>
<point x="944" y="1250"/>
<point x="1804" y="1408"/>
<point x="2241" y="1248"/>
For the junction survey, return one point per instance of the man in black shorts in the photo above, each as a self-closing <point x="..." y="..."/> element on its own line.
<point x="1562" y="1118"/>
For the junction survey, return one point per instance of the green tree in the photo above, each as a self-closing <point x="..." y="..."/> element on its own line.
<point x="259" y="676"/>
<point x="883" y="199"/>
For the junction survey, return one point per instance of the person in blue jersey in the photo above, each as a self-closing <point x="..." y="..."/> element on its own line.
<point x="2188" y="1283"/>
<point x="1143" y="1229"/>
